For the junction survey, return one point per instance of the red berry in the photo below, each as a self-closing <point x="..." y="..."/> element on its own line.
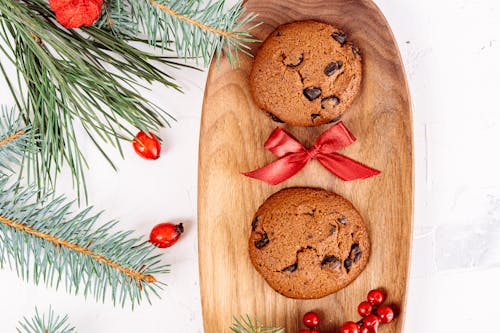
<point x="385" y="313"/>
<point x="365" y="308"/>
<point x="375" y="297"/>
<point x="147" y="145"/>
<point x="304" y="331"/>
<point x="349" y="327"/>
<point x="166" y="234"/>
<point x="315" y="331"/>
<point x="366" y="329"/>
<point x="311" y="319"/>
<point x="371" y="321"/>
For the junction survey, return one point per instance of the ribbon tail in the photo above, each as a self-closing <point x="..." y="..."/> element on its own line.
<point x="345" y="168"/>
<point x="280" y="170"/>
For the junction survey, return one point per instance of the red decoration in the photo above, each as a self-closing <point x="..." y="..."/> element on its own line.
<point x="166" y="234"/>
<point x="76" y="13"/>
<point x="349" y="327"/>
<point x="293" y="156"/>
<point x="147" y="145"/>
<point x="366" y="329"/>
<point x="373" y="312"/>
<point x="365" y="308"/>
<point x="371" y="321"/>
<point x="375" y="297"/>
<point x="311" y="319"/>
<point x="385" y="313"/>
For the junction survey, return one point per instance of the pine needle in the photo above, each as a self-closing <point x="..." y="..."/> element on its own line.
<point x="45" y="323"/>
<point x="76" y="78"/>
<point x="43" y="241"/>
<point x="13" y="140"/>
<point x="246" y="325"/>
<point x="200" y="29"/>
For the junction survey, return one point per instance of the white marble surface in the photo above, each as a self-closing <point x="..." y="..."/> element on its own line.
<point x="451" y="49"/>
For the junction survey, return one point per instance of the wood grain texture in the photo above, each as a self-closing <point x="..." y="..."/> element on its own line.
<point x="233" y="132"/>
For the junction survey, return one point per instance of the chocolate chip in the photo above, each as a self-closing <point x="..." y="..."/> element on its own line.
<point x="262" y="242"/>
<point x="332" y="67"/>
<point x="355" y="253"/>
<point x="314" y="116"/>
<point x="290" y="62"/>
<point x="331" y="261"/>
<point x="312" y="93"/>
<point x="255" y="222"/>
<point x="290" y="268"/>
<point x="276" y="119"/>
<point x="347" y="264"/>
<point x="329" y="102"/>
<point x="334" y="120"/>
<point x="279" y="34"/>
<point x="342" y="220"/>
<point x="333" y="228"/>
<point x="339" y="36"/>
<point x="355" y="50"/>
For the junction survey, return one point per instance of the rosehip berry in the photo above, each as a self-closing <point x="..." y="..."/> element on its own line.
<point x="166" y="234"/>
<point x="371" y="321"/>
<point x="385" y="313"/>
<point x="375" y="297"/>
<point x="315" y="331"/>
<point x="147" y="145"/>
<point x="349" y="327"/>
<point x="304" y="331"/>
<point x="311" y="319"/>
<point x="365" y="308"/>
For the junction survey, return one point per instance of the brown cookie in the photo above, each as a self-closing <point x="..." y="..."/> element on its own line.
<point x="306" y="74"/>
<point x="308" y="243"/>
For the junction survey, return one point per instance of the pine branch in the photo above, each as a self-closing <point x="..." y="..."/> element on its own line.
<point x="43" y="240"/>
<point x="246" y="325"/>
<point x="200" y="29"/>
<point x="13" y="140"/>
<point x="75" y="76"/>
<point x="45" y="323"/>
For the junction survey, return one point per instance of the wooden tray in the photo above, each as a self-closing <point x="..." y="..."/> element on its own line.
<point x="233" y="132"/>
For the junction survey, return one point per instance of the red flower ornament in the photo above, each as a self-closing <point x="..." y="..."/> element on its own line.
<point x="76" y="13"/>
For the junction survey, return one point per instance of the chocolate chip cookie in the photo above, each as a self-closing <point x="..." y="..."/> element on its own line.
<point x="308" y="243"/>
<point x="306" y="74"/>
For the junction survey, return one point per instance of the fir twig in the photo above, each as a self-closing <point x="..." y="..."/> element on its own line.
<point x="42" y="240"/>
<point x="57" y="244"/>
<point x="45" y="323"/>
<point x="200" y="29"/>
<point x="246" y="325"/>
<point x="68" y="75"/>
<point x="13" y="140"/>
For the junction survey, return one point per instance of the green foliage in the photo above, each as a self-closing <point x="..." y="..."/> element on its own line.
<point x="246" y="325"/>
<point x="12" y="142"/>
<point x="45" y="323"/>
<point x="67" y="75"/>
<point x="86" y="80"/>
<point x="43" y="241"/>
<point x="200" y="29"/>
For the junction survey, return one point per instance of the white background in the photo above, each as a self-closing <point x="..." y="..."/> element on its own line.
<point x="451" y="50"/>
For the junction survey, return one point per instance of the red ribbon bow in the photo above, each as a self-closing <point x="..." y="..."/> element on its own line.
<point x="293" y="156"/>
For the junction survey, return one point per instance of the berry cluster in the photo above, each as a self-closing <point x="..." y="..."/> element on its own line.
<point x="311" y="320"/>
<point x="373" y="313"/>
